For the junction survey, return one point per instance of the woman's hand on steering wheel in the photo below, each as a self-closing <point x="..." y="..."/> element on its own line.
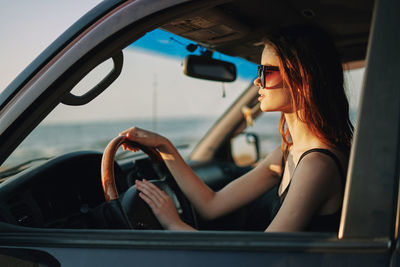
<point x="161" y="205"/>
<point x="146" y="138"/>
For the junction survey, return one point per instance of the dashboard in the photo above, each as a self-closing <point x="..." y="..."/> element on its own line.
<point x="64" y="192"/>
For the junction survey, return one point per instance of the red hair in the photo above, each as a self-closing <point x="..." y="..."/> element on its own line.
<point x="312" y="71"/>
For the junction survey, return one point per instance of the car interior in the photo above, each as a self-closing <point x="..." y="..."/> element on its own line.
<point x="64" y="191"/>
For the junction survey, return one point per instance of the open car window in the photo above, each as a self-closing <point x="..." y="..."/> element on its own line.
<point x="151" y="92"/>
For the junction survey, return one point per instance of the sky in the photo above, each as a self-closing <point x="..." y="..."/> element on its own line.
<point x="31" y="27"/>
<point x="28" y="27"/>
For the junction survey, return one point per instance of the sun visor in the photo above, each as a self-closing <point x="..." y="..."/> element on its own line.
<point x="212" y="27"/>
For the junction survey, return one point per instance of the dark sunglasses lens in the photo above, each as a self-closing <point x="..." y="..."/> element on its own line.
<point x="264" y="72"/>
<point x="261" y="75"/>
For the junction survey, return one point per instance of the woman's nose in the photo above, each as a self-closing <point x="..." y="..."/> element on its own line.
<point x="257" y="82"/>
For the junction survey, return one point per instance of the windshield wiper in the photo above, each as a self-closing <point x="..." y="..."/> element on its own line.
<point x="18" y="168"/>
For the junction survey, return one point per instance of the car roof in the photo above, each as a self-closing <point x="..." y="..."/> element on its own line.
<point x="235" y="28"/>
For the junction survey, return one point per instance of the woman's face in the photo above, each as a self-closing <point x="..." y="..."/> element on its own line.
<point x="274" y="96"/>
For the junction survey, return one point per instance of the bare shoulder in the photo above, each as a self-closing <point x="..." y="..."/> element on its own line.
<point x="319" y="169"/>
<point x="321" y="162"/>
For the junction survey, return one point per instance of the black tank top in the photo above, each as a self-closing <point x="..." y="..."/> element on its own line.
<point x="318" y="223"/>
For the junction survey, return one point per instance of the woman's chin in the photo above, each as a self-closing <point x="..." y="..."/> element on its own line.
<point x="265" y="107"/>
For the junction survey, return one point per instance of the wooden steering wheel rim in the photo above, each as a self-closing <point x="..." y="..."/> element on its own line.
<point x="107" y="164"/>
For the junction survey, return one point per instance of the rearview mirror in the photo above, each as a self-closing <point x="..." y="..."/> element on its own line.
<point x="207" y="68"/>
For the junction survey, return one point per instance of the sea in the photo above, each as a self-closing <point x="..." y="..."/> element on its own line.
<point x="55" y="139"/>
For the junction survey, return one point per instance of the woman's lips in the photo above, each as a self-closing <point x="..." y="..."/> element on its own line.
<point x="275" y="83"/>
<point x="263" y="91"/>
<point x="261" y="94"/>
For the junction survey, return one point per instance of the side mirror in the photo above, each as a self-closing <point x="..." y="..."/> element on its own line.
<point x="245" y="149"/>
<point x="207" y="68"/>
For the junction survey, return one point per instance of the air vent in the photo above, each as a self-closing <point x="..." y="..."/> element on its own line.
<point x="23" y="214"/>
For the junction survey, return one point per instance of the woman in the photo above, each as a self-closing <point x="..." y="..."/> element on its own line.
<point x="301" y="76"/>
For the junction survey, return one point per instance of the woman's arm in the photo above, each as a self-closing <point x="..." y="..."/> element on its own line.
<point x="208" y="203"/>
<point x="239" y="192"/>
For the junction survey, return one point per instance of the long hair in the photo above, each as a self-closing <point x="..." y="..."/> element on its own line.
<point x="312" y="71"/>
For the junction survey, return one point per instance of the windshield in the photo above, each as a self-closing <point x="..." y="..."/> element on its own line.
<point x="152" y="93"/>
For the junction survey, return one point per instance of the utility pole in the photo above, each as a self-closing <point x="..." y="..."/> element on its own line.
<point x="154" y="121"/>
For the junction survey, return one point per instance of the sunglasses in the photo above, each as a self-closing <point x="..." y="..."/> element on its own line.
<point x="264" y="72"/>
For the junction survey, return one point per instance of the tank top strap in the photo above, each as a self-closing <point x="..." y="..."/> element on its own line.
<point x="328" y="153"/>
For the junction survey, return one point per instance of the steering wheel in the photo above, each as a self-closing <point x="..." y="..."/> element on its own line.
<point x="131" y="211"/>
